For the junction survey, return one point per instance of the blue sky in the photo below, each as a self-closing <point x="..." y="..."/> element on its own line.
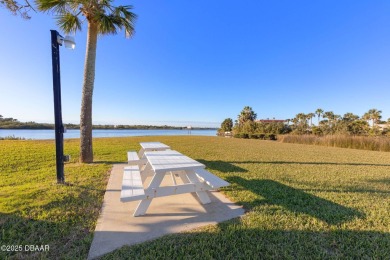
<point x="199" y="62"/>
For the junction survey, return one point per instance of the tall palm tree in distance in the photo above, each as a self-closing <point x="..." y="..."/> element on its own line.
<point x="310" y="117"/>
<point x="103" y="18"/>
<point x="302" y="118"/>
<point x="374" y="115"/>
<point x="350" y="117"/>
<point x="330" y="116"/>
<point x="319" y="113"/>
<point x="247" y="114"/>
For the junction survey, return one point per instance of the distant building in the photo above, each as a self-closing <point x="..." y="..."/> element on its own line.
<point x="382" y="126"/>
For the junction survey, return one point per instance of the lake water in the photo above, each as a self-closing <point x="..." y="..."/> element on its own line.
<point x="74" y="133"/>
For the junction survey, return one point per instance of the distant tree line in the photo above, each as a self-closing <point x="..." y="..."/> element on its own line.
<point x="328" y="123"/>
<point x="246" y="126"/>
<point x="11" y="123"/>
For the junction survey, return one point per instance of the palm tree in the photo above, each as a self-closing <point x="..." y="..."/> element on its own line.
<point x="374" y="115"/>
<point x="310" y="116"/>
<point x="319" y="113"/>
<point x="247" y="114"/>
<point x="227" y="125"/>
<point x="330" y="116"/>
<point x="300" y="123"/>
<point x="103" y="18"/>
<point x="301" y="118"/>
<point x="350" y="117"/>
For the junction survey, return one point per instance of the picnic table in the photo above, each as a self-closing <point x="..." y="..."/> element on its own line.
<point x="194" y="177"/>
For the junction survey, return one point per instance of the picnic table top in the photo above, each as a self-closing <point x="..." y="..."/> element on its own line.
<point x="169" y="160"/>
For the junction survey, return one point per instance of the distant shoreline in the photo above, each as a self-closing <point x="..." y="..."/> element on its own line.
<point x="107" y="127"/>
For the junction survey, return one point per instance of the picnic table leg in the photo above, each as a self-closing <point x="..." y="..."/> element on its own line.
<point x="202" y="195"/>
<point x="145" y="203"/>
<point x="141" y="153"/>
<point x="173" y="178"/>
<point x="146" y="171"/>
<point x="183" y="176"/>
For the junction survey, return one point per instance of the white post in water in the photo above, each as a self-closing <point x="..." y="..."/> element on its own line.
<point x="189" y="129"/>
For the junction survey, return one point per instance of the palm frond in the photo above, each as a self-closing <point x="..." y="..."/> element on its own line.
<point x="119" y="18"/>
<point x="110" y="19"/>
<point x="108" y="24"/>
<point x="128" y="19"/>
<point x="125" y="10"/>
<point x="129" y="28"/>
<point x="75" y="5"/>
<point x="106" y="4"/>
<point x="69" y="22"/>
<point x="57" y="6"/>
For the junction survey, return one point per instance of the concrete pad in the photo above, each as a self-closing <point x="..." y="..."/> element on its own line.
<point x="117" y="227"/>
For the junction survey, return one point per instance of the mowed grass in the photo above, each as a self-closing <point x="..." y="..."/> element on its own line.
<point x="301" y="201"/>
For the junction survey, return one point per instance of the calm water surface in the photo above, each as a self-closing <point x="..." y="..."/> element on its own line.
<point x="73" y="133"/>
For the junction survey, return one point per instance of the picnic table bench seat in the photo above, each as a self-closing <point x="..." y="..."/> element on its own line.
<point x="213" y="181"/>
<point x="132" y="187"/>
<point x="133" y="159"/>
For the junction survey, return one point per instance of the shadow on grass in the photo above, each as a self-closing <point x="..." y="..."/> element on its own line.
<point x="18" y="231"/>
<point x="295" y="200"/>
<point x="59" y="229"/>
<point x="222" y="166"/>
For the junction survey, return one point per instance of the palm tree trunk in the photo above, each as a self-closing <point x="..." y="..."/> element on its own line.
<point x="86" y="152"/>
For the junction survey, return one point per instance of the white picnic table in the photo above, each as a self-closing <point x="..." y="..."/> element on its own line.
<point x="158" y="163"/>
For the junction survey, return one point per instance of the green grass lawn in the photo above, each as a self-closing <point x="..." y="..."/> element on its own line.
<point x="302" y="201"/>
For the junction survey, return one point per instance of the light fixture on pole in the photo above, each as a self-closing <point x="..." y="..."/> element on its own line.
<point x="56" y="41"/>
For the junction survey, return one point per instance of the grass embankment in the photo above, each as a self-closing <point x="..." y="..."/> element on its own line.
<point x="372" y="143"/>
<point x="301" y="201"/>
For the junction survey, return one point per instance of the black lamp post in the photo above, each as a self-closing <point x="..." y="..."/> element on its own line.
<point x="56" y="42"/>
